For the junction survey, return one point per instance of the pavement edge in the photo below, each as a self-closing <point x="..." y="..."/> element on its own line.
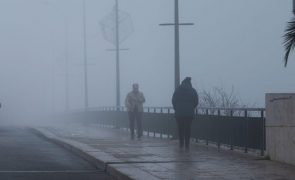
<point x="98" y="163"/>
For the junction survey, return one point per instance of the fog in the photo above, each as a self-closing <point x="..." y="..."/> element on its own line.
<point x="232" y="43"/>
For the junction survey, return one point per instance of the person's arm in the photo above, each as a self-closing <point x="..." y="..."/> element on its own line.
<point x="142" y="98"/>
<point x="127" y="101"/>
<point x="196" y="99"/>
<point x="174" y="99"/>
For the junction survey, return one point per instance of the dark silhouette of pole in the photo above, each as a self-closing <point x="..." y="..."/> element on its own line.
<point x="67" y="68"/>
<point x="112" y="30"/>
<point x="294" y="7"/>
<point x="177" y="55"/>
<point x="118" y="103"/>
<point x="85" y="58"/>
<point x="176" y="25"/>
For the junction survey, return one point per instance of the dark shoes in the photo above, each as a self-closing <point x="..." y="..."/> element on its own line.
<point x="182" y="145"/>
<point x="187" y="148"/>
<point x="186" y="145"/>
<point x="138" y="137"/>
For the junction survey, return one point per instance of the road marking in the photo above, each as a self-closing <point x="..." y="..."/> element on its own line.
<point x="150" y="162"/>
<point x="65" y="171"/>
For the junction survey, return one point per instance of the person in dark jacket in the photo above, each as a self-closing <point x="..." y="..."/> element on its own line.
<point x="185" y="100"/>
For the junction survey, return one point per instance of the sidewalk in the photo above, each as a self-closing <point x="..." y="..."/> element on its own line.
<point x="154" y="158"/>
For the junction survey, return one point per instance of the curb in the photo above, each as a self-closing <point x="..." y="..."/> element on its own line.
<point x="51" y="137"/>
<point x="106" y="162"/>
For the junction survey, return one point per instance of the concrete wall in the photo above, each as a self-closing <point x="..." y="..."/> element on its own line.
<point x="280" y="127"/>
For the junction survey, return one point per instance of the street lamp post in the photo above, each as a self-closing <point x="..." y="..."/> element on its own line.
<point x="85" y="57"/>
<point x="67" y="67"/>
<point x="176" y="25"/>
<point x="116" y="27"/>
<point x="118" y="103"/>
<point x="177" y="56"/>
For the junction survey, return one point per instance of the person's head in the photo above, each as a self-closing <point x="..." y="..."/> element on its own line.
<point x="135" y="87"/>
<point x="187" y="82"/>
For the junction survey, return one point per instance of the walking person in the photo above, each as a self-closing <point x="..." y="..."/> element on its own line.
<point x="185" y="100"/>
<point x="134" y="103"/>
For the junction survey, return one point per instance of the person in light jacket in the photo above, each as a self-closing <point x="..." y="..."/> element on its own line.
<point x="134" y="103"/>
<point x="185" y="100"/>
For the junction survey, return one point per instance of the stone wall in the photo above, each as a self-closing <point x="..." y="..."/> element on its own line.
<point x="280" y="127"/>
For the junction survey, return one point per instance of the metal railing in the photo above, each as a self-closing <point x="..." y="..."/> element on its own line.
<point x="233" y="127"/>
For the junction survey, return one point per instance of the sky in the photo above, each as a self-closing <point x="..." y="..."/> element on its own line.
<point x="233" y="43"/>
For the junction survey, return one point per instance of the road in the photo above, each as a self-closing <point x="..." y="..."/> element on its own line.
<point x="26" y="156"/>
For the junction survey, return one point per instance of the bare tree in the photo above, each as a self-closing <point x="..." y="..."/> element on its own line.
<point x="220" y="98"/>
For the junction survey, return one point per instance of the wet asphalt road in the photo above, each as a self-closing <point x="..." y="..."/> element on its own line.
<point x="26" y="156"/>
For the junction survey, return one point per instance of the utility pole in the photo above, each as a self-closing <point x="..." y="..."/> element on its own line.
<point x="67" y="67"/>
<point x="177" y="56"/>
<point x="176" y="25"/>
<point x="112" y="32"/>
<point x="85" y="58"/>
<point x="118" y="103"/>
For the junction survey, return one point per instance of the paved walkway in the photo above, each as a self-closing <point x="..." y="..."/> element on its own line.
<point x="153" y="158"/>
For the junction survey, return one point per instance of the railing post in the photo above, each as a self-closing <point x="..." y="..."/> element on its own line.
<point x="169" y="131"/>
<point x="232" y="132"/>
<point x="246" y="133"/>
<point x="161" y="132"/>
<point x="263" y="132"/>
<point x="218" y="143"/>
<point x="207" y="123"/>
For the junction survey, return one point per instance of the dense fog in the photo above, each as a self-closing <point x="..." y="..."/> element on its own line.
<point x="233" y="43"/>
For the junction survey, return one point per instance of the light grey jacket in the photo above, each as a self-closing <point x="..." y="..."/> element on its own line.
<point x="134" y="100"/>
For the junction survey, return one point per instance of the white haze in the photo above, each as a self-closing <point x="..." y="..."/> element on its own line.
<point x="233" y="43"/>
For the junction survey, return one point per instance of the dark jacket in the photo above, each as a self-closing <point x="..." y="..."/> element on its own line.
<point x="185" y="100"/>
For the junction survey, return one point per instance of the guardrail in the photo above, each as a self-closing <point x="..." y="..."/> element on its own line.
<point x="234" y="127"/>
<point x="257" y="112"/>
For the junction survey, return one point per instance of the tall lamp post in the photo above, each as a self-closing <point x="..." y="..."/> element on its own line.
<point x="112" y="31"/>
<point x="118" y="103"/>
<point x="176" y="25"/>
<point x="85" y="57"/>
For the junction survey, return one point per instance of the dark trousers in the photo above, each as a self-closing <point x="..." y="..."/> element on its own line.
<point x="184" y="131"/>
<point x="135" y="117"/>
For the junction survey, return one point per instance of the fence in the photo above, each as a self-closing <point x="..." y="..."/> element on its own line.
<point x="236" y="128"/>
